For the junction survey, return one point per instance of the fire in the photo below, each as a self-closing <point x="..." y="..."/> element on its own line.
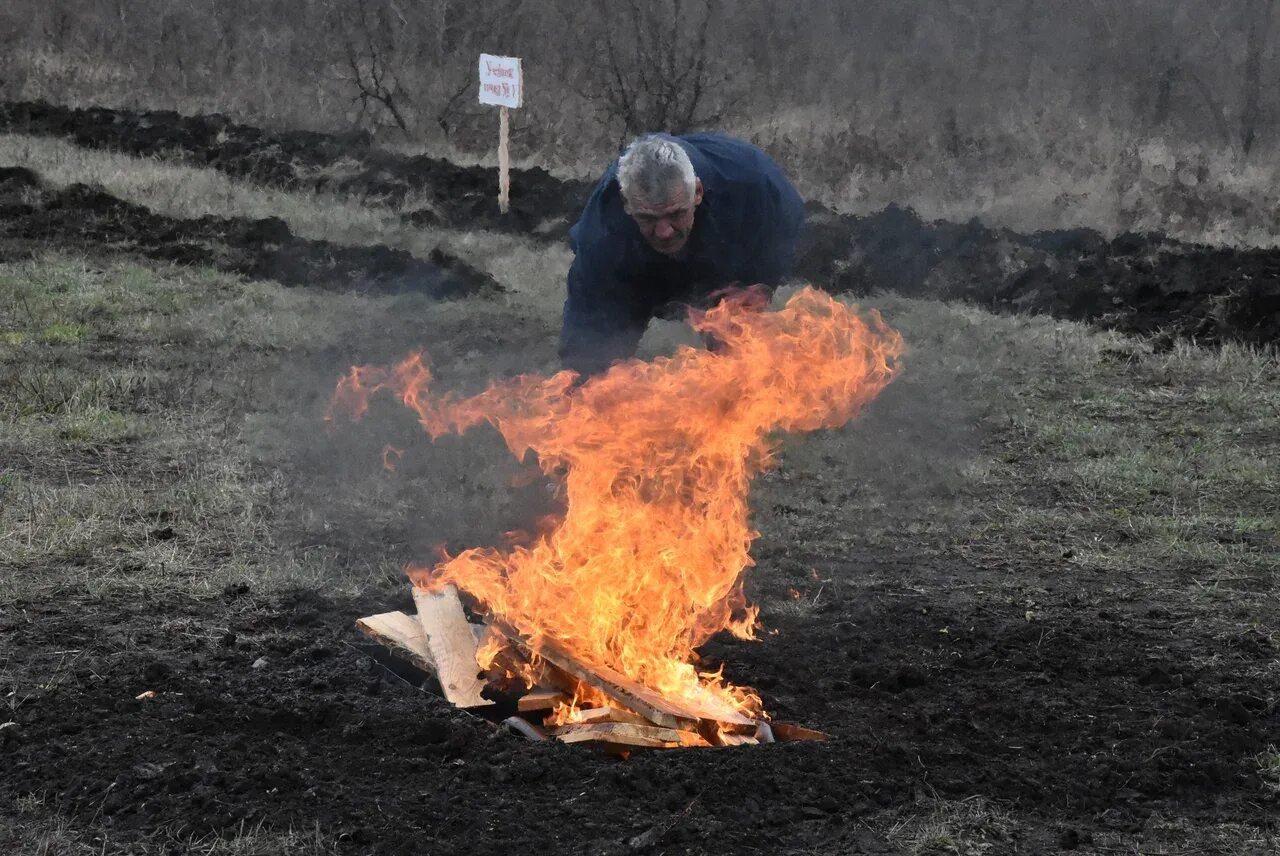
<point x="655" y="458"/>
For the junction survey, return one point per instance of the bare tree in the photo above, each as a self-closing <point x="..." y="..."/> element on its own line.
<point x="659" y="67"/>
<point x="370" y="48"/>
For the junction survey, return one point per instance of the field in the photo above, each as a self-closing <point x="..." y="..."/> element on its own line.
<point x="1032" y="592"/>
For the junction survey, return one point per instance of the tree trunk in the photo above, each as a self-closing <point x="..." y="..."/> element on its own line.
<point x="1250" y="112"/>
<point x="1165" y="81"/>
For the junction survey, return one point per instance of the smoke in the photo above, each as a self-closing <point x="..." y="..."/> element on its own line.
<point x="337" y="496"/>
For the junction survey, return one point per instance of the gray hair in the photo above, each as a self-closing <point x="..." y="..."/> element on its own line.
<point x="650" y="168"/>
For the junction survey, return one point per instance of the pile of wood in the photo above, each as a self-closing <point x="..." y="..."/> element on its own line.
<point x="442" y="642"/>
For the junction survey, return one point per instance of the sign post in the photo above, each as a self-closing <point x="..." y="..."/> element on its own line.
<point x="502" y="84"/>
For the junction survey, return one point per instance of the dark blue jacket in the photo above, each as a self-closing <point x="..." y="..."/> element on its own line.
<point x="745" y="232"/>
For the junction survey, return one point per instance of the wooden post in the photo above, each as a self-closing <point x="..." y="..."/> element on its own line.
<point x="504" y="161"/>
<point x="502" y="85"/>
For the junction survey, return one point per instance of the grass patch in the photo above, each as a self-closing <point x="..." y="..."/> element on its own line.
<point x="95" y="426"/>
<point x="1269" y="769"/>
<point x="202" y="395"/>
<point x="968" y="827"/>
<point x="180" y="442"/>
<point x="124" y="463"/>
<point x="1037" y="441"/>
<point x="61" y="332"/>
<point x="35" y="827"/>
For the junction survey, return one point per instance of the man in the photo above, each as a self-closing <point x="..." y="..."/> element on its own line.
<point x="673" y="221"/>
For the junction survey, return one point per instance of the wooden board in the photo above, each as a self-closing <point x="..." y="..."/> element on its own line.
<point x="540" y="699"/>
<point x="400" y="634"/>
<point x="625" y="734"/>
<point x="649" y="704"/>
<point x="609" y="714"/>
<point x="785" y="732"/>
<point x="452" y="644"/>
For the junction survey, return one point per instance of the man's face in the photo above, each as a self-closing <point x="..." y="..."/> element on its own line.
<point x="666" y="225"/>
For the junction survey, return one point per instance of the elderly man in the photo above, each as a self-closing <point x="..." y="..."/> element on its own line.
<point x="671" y="222"/>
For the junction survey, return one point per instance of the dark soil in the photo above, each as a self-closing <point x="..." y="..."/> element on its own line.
<point x="345" y="163"/>
<point x="1136" y="283"/>
<point x="34" y="216"/>
<point x="1086" y="721"/>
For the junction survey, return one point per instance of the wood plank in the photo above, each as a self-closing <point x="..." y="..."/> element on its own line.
<point x="609" y="714"/>
<point x="400" y="634"/>
<point x="648" y="703"/>
<point x="452" y="644"/>
<point x="624" y="734"/>
<point x="540" y="699"/>
<point x="785" y="732"/>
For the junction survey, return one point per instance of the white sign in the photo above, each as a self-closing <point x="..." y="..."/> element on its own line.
<point x="500" y="81"/>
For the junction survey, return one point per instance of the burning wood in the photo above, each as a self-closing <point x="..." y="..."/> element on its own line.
<point x="655" y="707"/>
<point x="656" y="724"/>
<point x="612" y="601"/>
<point x="542" y="700"/>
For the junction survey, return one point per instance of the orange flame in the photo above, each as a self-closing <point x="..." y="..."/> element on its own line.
<point x="656" y="457"/>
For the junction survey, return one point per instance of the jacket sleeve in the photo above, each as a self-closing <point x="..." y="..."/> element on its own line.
<point x="781" y="222"/>
<point x="600" y="325"/>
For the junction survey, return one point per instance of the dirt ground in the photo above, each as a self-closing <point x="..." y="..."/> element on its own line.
<point x="1084" y="723"/>
<point x="1031" y="596"/>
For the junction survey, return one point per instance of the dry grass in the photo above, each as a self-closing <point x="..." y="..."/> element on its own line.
<point x="166" y="441"/>
<point x="1175" y="837"/>
<point x="35" y="828"/>
<point x="1005" y="437"/>
<point x="124" y="464"/>
<point x="183" y="400"/>
<point x="1048" y="173"/>
<point x="1023" y="442"/>
<point x="970" y="827"/>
